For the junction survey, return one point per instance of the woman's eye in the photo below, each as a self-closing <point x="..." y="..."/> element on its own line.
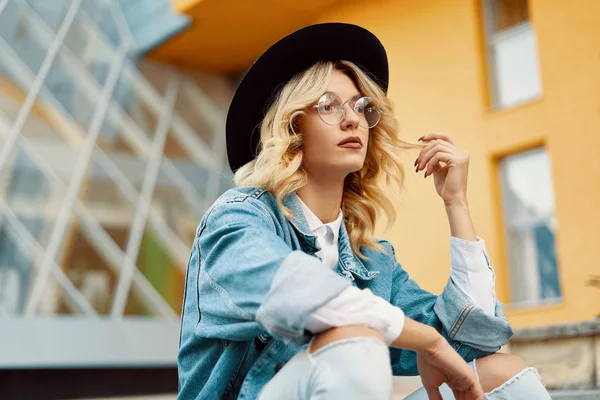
<point x="327" y="107"/>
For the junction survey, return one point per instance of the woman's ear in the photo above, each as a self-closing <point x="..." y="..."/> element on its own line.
<point x="295" y="124"/>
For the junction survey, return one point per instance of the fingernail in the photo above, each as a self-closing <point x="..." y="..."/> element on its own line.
<point x="421" y="138"/>
<point x="417" y="170"/>
<point x="415" y="164"/>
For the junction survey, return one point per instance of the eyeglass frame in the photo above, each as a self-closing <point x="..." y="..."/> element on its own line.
<point x="343" y="115"/>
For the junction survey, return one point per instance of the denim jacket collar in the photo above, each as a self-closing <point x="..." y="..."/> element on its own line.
<point x="308" y="239"/>
<point x="349" y="262"/>
<point x="349" y="265"/>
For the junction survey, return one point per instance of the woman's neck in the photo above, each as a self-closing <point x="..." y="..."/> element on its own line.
<point x="324" y="198"/>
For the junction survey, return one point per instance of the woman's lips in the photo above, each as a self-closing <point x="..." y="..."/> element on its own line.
<point x="351" y="145"/>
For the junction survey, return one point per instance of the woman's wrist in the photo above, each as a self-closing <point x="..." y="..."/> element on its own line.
<point x="459" y="218"/>
<point x="418" y="337"/>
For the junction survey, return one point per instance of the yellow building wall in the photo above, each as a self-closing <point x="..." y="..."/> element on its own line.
<point x="438" y="82"/>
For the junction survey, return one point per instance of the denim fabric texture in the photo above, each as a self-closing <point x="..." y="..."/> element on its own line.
<point x="359" y="369"/>
<point x="253" y="279"/>
<point x="349" y="369"/>
<point x="526" y="385"/>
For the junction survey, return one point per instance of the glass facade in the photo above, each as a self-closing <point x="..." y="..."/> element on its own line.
<point x="105" y="169"/>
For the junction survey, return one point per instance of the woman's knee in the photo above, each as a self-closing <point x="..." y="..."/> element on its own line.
<point x="343" y="332"/>
<point x="351" y="363"/>
<point x="494" y="370"/>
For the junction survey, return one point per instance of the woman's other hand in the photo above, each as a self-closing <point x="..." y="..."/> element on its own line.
<point x="438" y="362"/>
<point x="443" y="365"/>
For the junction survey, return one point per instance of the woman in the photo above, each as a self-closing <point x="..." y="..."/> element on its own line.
<point x="288" y="295"/>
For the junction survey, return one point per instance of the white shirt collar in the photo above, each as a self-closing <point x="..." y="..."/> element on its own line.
<point x="315" y="223"/>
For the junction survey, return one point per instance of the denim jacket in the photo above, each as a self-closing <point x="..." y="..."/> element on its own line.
<point x="253" y="279"/>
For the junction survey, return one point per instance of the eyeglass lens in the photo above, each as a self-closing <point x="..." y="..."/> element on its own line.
<point x="331" y="110"/>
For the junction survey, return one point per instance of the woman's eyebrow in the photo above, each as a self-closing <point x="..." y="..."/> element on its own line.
<point x="355" y="97"/>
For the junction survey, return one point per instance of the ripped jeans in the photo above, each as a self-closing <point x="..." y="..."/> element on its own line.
<point x="359" y="368"/>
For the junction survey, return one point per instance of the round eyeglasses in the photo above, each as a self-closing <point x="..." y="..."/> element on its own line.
<point x="331" y="110"/>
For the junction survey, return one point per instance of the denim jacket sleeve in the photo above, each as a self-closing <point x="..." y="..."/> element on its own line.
<point x="470" y="331"/>
<point x="250" y="280"/>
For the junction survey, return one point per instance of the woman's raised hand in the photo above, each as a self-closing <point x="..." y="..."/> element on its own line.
<point x="449" y="165"/>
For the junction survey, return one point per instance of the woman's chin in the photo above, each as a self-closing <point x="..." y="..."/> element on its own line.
<point x="339" y="168"/>
<point x="348" y="167"/>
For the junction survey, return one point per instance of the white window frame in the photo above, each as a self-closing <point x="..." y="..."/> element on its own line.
<point x="492" y="41"/>
<point x="512" y="226"/>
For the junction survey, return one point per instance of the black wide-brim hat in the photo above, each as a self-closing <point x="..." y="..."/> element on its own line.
<point x="289" y="56"/>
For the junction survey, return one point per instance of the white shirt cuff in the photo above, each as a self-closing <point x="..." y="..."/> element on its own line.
<point x="472" y="273"/>
<point x="469" y="255"/>
<point x="358" y="307"/>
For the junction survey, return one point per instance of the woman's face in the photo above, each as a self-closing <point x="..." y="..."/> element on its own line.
<point x="324" y="151"/>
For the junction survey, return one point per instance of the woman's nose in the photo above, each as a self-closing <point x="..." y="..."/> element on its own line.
<point x="351" y="119"/>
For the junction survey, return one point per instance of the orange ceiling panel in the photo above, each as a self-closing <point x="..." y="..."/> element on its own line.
<point x="226" y="36"/>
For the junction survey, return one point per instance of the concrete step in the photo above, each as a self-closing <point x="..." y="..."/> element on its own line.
<point x="593" y="394"/>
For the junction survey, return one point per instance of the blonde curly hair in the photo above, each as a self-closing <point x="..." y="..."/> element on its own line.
<point x="368" y="191"/>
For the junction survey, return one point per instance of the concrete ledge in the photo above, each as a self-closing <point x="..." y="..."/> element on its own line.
<point x="567" y="356"/>
<point x="575" y="395"/>
<point x="76" y="342"/>
<point x="578" y="329"/>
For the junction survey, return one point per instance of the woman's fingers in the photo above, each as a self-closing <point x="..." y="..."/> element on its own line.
<point x="430" y="150"/>
<point x="437" y="135"/>
<point x="433" y="393"/>
<point x="474" y="393"/>
<point x="437" y="139"/>
<point x="434" y="166"/>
